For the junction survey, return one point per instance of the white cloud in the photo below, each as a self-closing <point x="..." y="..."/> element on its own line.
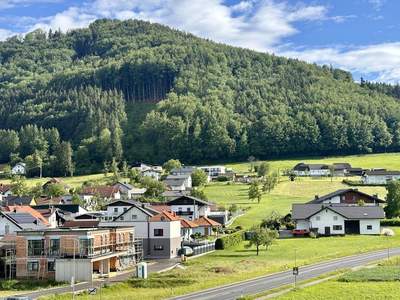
<point x="4" y="4"/>
<point x="377" y="4"/>
<point x="381" y="59"/>
<point x="4" y="34"/>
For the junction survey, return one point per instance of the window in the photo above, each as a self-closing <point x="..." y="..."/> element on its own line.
<point x="134" y="217"/>
<point x="318" y="218"/>
<point x="125" y="209"/>
<point x="335" y="218"/>
<point x="35" y="247"/>
<point x="54" y="247"/>
<point x="51" y="266"/>
<point x="116" y="209"/>
<point x="337" y="227"/>
<point x="33" y="266"/>
<point x="158" y="232"/>
<point x="188" y="209"/>
<point x="121" y="218"/>
<point x="86" y="246"/>
<point x="369" y="227"/>
<point x="158" y="247"/>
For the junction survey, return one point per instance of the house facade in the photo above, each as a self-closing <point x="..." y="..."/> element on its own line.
<point x="5" y="191"/>
<point x="160" y="231"/>
<point x="337" y="219"/>
<point x="302" y="169"/>
<point x="81" y="253"/>
<point x="178" y="182"/>
<point x="379" y="176"/>
<point x="346" y="211"/>
<point x="189" y="207"/>
<point x="19" y="169"/>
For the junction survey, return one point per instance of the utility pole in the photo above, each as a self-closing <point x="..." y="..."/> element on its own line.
<point x="295" y="268"/>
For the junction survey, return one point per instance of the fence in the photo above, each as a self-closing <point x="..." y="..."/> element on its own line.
<point x="203" y="248"/>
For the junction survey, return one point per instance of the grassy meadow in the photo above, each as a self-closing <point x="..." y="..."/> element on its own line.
<point x="378" y="282"/>
<point x="280" y="199"/>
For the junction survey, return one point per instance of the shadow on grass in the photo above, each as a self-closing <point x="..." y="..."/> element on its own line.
<point x="160" y="281"/>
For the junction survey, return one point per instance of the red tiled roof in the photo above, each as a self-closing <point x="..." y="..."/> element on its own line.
<point x="165" y="216"/>
<point x="105" y="191"/>
<point x="29" y="210"/>
<point x="160" y="207"/>
<point x="206" y="222"/>
<point x="188" y="224"/>
<point x="4" y="187"/>
<point x="81" y="224"/>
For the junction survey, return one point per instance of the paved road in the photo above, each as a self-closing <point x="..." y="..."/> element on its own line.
<point x="158" y="266"/>
<point x="265" y="283"/>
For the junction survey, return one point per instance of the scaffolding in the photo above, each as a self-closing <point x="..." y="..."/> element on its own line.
<point x="7" y="259"/>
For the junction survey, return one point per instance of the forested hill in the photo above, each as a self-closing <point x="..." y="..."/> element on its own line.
<point x="98" y="87"/>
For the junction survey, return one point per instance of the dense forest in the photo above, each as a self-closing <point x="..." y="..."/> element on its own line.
<point x="137" y="91"/>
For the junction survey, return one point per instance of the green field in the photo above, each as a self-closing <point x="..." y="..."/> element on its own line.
<point x="390" y="161"/>
<point x="280" y="199"/>
<point x="378" y="282"/>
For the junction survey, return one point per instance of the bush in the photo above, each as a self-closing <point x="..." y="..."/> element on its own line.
<point x="390" y="222"/>
<point x="222" y="178"/>
<point x="228" y="241"/>
<point x="313" y="235"/>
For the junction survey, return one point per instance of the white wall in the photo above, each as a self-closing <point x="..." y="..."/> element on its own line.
<point x="327" y="218"/>
<point x="65" y="270"/>
<point x="170" y="229"/>
<point x="302" y="224"/>
<point x="12" y="227"/>
<point x="379" y="179"/>
<point x="376" y="226"/>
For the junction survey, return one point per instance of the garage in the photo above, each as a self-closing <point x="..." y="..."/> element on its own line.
<point x="352" y="226"/>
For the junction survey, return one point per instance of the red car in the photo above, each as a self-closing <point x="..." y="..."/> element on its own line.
<point x="300" y="232"/>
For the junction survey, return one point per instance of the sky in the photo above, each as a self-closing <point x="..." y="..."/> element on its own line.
<point x="360" y="36"/>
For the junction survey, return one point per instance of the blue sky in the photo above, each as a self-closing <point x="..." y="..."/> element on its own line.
<point x="360" y="36"/>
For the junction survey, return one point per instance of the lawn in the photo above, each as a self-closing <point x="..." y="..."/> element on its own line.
<point x="11" y="287"/>
<point x="390" y="161"/>
<point x="75" y="181"/>
<point x="240" y="263"/>
<point x="280" y="199"/>
<point x="379" y="282"/>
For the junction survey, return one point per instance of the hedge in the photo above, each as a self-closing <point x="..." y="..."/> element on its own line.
<point x="229" y="241"/>
<point x="390" y="222"/>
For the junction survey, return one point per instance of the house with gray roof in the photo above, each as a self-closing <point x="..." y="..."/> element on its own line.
<point x="379" y="176"/>
<point x="178" y="182"/>
<point x="340" y="212"/>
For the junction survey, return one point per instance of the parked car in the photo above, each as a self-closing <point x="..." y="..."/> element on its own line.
<point x="185" y="250"/>
<point x="18" y="298"/>
<point x="300" y="232"/>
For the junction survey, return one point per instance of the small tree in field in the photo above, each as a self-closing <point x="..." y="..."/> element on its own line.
<point x="261" y="237"/>
<point x="254" y="191"/>
<point x="171" y="164"/>
<point x="199" y="177"/>
<point x="392" y="208"/>
<point x="263" y="169"/>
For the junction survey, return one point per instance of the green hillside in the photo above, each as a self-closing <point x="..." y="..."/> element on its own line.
<point x="133" y="90"/>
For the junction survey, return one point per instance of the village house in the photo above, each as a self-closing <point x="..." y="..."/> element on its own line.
<point x="19" y="169"/>
<point x="187" y="228"/>
<point x="379" y="176"/>
<point x="189" y="207"/>
<point x="184" y="170"/>
<point x="81" y="253"/>
<point x="342" y="212"/>
<point x="302" y="169"/>
<point x="104" y="192"/>
<point x="178" y="182"/>
<point x="18" y="200"/>
<point x="153" y="173"/>
<point x="5" y="191"/>
<point x="206" y="226"/>
<point x="341" y="169"/>
<point x="160" y="231"/>
<point x="14" y="221"/>
<point x="347" y="196"/>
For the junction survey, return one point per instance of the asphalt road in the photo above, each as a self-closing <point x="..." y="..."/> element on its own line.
<point x="265" y="283"/>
